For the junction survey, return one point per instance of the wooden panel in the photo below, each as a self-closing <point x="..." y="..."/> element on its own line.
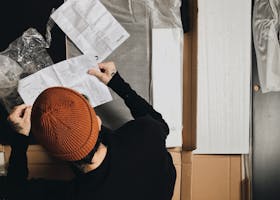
<point x="166" y="52"/>
<point x="224" y="76"/>
<point x="190" y="79"/>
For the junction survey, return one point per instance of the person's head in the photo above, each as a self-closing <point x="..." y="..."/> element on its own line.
<point x="66" y="125"/>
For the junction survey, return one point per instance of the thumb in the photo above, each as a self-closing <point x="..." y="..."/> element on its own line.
<point x="95" y="72"/>
<point x="27" y="113"/>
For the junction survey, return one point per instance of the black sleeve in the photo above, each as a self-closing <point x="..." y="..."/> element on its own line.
<point x="19" y="187"/>
<point x="138" y="106"/>
<point x="17" y="170"/>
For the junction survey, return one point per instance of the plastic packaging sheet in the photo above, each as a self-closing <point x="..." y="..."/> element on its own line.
<point x="25" y="56"/>
<point x="134" y="57"/>
<point x="266" y="31"/>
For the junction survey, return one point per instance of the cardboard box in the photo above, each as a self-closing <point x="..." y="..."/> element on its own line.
<point x="176" y="156"/>
<point x="216" y="177"/>
<point x="186" y="175"/>
<point x="211" y="177"/>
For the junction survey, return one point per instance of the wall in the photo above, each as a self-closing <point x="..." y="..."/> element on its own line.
<point x="266" y="137"/>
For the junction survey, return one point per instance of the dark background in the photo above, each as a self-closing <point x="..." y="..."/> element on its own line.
<point x="17" y="16"/>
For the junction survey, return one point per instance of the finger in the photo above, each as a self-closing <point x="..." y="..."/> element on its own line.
<point x="18" y="110"/>
<point x="95" y="72"/>
<point x="102" y="68"/>
<point x="102" y="65"/>
<point x="27" y="113"/>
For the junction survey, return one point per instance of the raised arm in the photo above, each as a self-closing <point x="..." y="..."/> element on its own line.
<point x="138" y="106"/>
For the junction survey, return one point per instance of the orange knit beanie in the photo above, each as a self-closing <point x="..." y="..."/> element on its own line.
<point x="64" y="123"/>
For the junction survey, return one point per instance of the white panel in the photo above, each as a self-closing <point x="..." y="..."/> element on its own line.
<point x="167" y="80"/>
<point x="224" y="71"/>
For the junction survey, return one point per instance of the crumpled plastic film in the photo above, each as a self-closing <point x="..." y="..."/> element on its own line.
<point x="133" y="58"/>
<point x="30" y="52"/>
<point x="10" y="72"/>
<point x="165" y="13"/>
<point x="25" y="56"/>
<point x="266" y="32"/>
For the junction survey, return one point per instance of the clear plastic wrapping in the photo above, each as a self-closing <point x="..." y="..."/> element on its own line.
<point x="10" y="72"/>
<point x="25" y="56"/>
<point x="266" y="32"/>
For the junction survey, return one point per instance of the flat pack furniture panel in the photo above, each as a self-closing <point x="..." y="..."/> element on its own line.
<point x="224" y="74"/>
<point x="167" y="80"/>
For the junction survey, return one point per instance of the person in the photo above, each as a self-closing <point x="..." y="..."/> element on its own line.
<point x="131" y="162"/>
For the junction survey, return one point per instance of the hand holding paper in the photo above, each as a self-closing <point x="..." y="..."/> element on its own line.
<point x="106" y="72"/>
<point x="20" y="119"/>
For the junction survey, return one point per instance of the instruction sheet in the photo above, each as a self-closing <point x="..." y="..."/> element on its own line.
<point x="71" y="73"/>
<point x="91" y="27"/>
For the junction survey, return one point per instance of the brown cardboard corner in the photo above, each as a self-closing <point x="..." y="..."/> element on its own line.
<point x="176" y="156"/>
<point x="235" y="177"/>
<point x="186" y="175"/>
